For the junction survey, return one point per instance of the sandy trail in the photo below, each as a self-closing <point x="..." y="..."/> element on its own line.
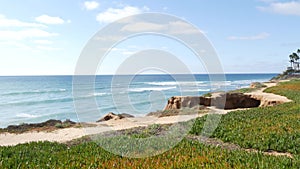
<point x="268" y="99"/>
<point x="67" y="134"/>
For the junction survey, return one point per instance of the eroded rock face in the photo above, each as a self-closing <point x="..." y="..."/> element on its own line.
<point x="178" y="102"/>
<point x="239" y="100"/>
<point x="267" y="99"/>
<point x="220" y="100"/>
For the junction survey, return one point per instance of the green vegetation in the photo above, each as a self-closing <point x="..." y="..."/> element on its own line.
<point x="272" y="128"/>
<point x="294" y="58"/>
<point x="292" y="71"/>
<point x="243" y="90"/>
<point x="48" y="125"/>
<point x="183" y="111"/>
<point x="207" y="95"/>
<point x="255" y="86"/>
<point x="187" y="154"/>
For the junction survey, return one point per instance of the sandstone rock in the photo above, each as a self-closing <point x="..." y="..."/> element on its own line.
<point x="113" y="116"/>
<point x="269" y="99"/>
<point x="238" y="100"/>
<point x="219" y="100"/>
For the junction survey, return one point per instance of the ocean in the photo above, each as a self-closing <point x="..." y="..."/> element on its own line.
<point x="33" y="99"/>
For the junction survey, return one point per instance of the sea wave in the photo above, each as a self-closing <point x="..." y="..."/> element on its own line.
<point x="197" y="90"/>
<point x="25" y="115"/>
<point x="173" y="83"/>
<point x="100" y="94"/>
<point x="34" y="92"/>
<point x="35" y="102"/>
<point x="145" y="89"/>
<point x="83" y="96"/>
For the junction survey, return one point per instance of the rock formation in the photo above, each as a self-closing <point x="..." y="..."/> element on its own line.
<point x="219" y="100"/>
<point x="268" y="99"/>
<point x="112" y="116"/>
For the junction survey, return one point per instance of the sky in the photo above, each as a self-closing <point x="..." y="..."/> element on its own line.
<point x="46" y="37"/>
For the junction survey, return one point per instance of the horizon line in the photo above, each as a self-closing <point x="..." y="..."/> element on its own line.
<point x="149" y="74"/>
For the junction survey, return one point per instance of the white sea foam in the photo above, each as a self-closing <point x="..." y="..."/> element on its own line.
<point x="173" y="83"/>
<point x="25" y="115"/>
<point x="100" y="94"/>
<point x="144" y="89"/>
<point x="197" y="90"/>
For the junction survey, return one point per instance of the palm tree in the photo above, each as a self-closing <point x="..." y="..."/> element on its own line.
<point x="292" y="60"/>
<point x="296" y="58"/>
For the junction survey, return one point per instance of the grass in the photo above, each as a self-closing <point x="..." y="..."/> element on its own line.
<point x="183" y="111"/>
<point x="207" y="94"/>
<point x="187" y="154"/>
<point x="256" y="86"/>
<point x="243" y="90"/>
<point x="271" y="128"/>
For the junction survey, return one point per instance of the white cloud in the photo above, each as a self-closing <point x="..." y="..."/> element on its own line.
<point x="143" y="26"/>
<point x="283" y="8"/>
<point x="24" y="34"/>
<point x="27" y="35"/>
<point x="180" y="27"/>
<point x="113" y="14"/>
<point x="49" y="19"/>
<point x="267" y="1"/>
<point x="255" y="37"/>
<point x="48" y="48"/>
<point x="14" y="44"/>
<point x="5" y="22"/>
<point x="91" y="5"/>
<point x="177" y="27"/>
<point x="43" y="42"/>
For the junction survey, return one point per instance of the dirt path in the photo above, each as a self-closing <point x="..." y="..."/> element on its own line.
<point x="268" y="99"/>
<point x="230" y="146"/>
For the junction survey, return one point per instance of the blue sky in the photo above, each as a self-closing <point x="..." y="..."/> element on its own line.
<point x="46" y="37"/>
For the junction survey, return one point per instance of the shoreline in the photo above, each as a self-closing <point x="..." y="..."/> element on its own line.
<point x="67" y="134"/>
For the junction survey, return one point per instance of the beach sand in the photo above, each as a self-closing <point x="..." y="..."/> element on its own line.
<point x="67" y="134"/>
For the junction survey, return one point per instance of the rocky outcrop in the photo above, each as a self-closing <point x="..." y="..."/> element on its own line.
<point x="219" y="100"/>
<point x="268" y="99"/>
<point x="178" y="102"/>
<point x="49" y="124"/>
<point x="112" y="116"/>
<point x="237" y="100"/>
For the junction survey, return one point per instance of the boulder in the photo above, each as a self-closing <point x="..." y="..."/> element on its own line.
<point x="113" y="116"/>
